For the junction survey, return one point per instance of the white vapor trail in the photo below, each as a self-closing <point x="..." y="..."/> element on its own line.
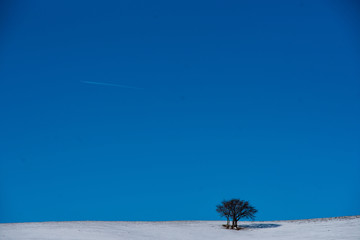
<point x="110" y="84"/>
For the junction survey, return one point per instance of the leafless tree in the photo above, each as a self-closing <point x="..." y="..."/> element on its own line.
<point x="236" y="209"/>
<point x="224" y="211"/>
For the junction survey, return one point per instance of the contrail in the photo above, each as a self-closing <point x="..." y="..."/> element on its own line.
<point x="110" y="84"/>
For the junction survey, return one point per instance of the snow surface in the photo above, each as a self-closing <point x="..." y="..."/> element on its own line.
<point x="325" y="228"/>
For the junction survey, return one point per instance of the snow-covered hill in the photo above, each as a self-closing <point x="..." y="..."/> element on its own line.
<point x="325" y="228"/>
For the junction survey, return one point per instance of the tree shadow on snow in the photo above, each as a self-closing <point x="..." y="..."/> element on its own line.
<point x="261" y="225"/>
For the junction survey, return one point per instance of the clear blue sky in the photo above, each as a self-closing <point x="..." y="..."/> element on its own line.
<point x="258" y="100"/>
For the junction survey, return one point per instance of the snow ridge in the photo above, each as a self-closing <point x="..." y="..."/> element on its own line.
<point x="347" y="228"/>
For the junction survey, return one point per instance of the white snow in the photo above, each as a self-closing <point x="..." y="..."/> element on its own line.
<point x="327" y="228"/>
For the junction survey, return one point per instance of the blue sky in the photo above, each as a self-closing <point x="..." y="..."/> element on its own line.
<point x="159" y="110"/>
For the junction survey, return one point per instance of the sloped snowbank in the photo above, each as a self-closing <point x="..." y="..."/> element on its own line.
<point x="329" y="228"/>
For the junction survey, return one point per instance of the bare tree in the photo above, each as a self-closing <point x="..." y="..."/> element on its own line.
<point x="236" y="209"/>
<point x="224" y="211"/>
